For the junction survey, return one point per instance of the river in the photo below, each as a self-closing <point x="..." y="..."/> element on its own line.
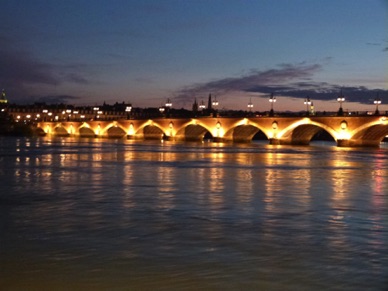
<point x="102" y="214"/>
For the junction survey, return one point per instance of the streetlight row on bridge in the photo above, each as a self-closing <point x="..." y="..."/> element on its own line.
<point x="272" y="99"/>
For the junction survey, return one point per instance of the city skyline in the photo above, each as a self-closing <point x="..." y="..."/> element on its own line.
<point x="143" y="53"/>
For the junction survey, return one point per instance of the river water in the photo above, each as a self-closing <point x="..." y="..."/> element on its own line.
<point x="92" y="214"/>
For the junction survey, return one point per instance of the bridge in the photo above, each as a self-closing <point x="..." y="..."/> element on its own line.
<point x="347" y="131"/>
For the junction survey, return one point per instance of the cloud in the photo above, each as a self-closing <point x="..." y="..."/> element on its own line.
<point x="55" y="99"/>
<point x="267" y="80"/>
<point x="286" y="80"/>
<point x="21" y="71"/>
<point x="20" y="68"/>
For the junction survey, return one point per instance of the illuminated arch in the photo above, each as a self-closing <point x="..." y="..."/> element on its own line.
<point x="301" y="132"/>
<point x="194" y="130"/>
<point x="60" y="130"/>
<point x="114" y="130"/>
<point x="371" y="133"/>
<point x="244" y="130"/>
<point x="151" y="130"/>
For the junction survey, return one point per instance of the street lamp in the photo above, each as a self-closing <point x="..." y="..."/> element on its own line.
<point x="272" y="100"/>
<point x="202" y="105"/>
<point x="128" y="110"/>
<point x="377" y="102"/>
<point x="215" y="102"/>
<point x="341" y="99"/>
<point x="250" y="104"/>
<point x="307" y="102"/>
<point x="168" y="103"/>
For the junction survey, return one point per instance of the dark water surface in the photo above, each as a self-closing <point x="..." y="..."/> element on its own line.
<point x="123" y="215"/>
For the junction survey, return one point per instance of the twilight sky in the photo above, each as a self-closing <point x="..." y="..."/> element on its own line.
<point x="85" y="52"/>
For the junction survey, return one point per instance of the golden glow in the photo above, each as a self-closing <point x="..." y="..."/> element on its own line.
<point x="131" y="131"/>
<point x="218" y="131"/>
<point x="98" y="129"/>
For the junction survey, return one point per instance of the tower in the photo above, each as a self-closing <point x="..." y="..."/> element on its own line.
<point x="3" y="98"/>
<point x="209" y="103"/>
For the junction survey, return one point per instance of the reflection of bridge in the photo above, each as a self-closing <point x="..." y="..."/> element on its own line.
<point x="346" y="131"/>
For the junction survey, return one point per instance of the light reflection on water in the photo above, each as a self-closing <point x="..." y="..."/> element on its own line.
<point x="124" y="215"/>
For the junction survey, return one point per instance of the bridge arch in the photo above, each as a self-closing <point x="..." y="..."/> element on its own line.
<point x="244" y="130"/>
<point x="86" y="131"/>
<point x="114" y="130"/>
<point x="301" y="132"/>
<point x="60" y="130"/>
<point x="194" y="130"/>
<point x="151" y="130"/>
<point x="369" y="134"/>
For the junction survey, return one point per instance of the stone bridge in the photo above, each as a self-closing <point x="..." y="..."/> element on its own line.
<point x="347" y="131"/>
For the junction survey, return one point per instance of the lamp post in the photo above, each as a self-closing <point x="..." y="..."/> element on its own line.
<point x="202" y="106"/>
<point x="128" y="110"/>
<point x="272" y="100"/>
<point x="377" y="102"/>
<point x="215" y="102"/>
<point x="168" y="103"/>
<point x="341" y="99"/>
<point x="307" y="102"/>
<point x="168" y="106"/>
<point x="95" y="109"/>
<point x="250" y="104"/>
<point x="161" y="109"/>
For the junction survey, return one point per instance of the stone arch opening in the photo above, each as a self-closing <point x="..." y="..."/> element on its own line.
<point x="323" y="135"/>
<point x="116" y="132"/>
<point x="302" y="134"/>
<point x="195" y="132"/>
<point x="371" y="136"/>
<point x="86" y="132"/>
<point x="152" y="132"/>
<point x="61" y="131"/>
<point x="260" y="135"/>
<point x="245" y="133"/>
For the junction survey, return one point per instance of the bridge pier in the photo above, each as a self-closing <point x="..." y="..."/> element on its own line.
<point x="274" y="141"/>
<point x="357" y="143"/>
<point x="168" y="138"/>
<point x="218" y="139"/>
<point x="343" y="143"/>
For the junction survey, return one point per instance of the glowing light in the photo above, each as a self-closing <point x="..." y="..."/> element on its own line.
<point x="168" y="103"/>
<point x="98" y="129"/>
<point x="131" y="130"/>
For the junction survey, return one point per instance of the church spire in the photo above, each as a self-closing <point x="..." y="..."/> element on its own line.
<point x="3" y="98"/>
<point x="209" y="103"/>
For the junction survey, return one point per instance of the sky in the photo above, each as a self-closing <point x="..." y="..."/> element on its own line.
<point x="86" y="52"/>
